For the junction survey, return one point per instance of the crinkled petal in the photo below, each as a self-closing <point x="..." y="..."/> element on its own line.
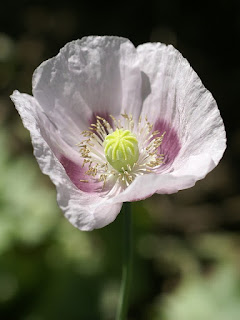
<point x="178" y="99"/>
<point x="162" y="66"/>
<point x="94" y="75"/>
<point x="85" y="211"/>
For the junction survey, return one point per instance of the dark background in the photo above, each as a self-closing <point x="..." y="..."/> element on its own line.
<point x="187" y="245"/>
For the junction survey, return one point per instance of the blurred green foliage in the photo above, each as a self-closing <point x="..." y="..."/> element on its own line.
<point x="213" y="293"/>
<point x="28" y="209"/>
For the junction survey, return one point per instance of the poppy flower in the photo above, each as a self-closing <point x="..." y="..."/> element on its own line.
<point x="111" y="123"/>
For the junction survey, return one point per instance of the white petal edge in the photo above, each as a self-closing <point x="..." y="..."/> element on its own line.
<point x="85" y="211"/>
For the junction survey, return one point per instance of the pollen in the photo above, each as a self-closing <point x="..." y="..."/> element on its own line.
<point x="121" y="149"/>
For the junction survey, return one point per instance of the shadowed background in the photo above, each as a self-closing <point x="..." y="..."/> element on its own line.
<point x="187" y="245"/>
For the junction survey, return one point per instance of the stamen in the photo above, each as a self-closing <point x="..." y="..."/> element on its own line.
<point x="99" y="167"/>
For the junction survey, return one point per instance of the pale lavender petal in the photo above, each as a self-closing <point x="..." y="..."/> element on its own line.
<point x="162" y="67"/>
<point x="84" y="210"/>
<point x="88" y="212"/>
<point x="179" y="98"/>
<point x="91" y="75"/>
<point x="67" y="156"/>
<point x="179" y="102"/>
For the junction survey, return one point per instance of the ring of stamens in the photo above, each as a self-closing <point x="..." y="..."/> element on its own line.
<point x="98" y="167"/>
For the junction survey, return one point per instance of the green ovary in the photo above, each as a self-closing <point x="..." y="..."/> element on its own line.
<point x="121" y="149"/>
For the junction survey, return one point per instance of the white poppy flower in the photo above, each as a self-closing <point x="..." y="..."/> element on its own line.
<point x="111" y="123"/>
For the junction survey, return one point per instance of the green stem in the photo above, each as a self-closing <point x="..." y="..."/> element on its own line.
<point x="127" y="263"/>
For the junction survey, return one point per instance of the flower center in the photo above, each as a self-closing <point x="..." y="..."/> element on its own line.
<point x="121" y="149"/>
<point x="117" y="153"/>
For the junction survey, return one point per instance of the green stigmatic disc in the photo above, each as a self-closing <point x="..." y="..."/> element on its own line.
<point x="121" y="149"/>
